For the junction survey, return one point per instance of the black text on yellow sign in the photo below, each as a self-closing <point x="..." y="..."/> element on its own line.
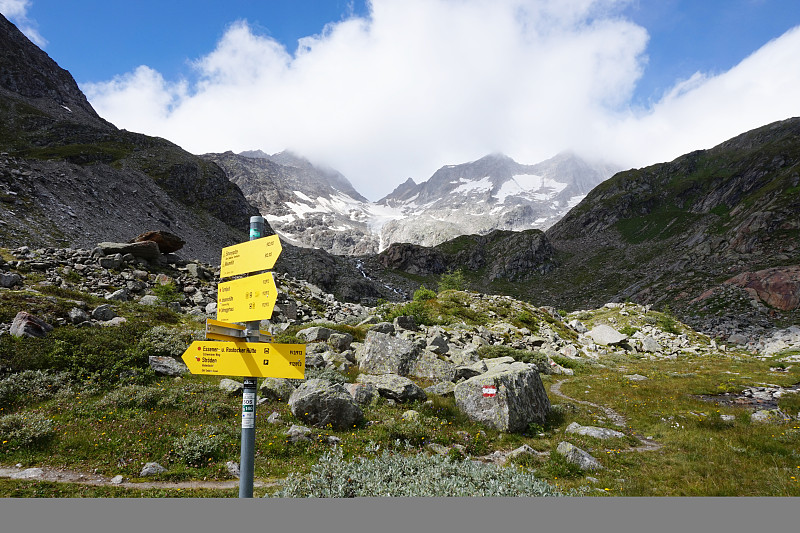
<point x="248" y="359"/>
<point x="250" y="256"/>
<point x="247" y="299"/>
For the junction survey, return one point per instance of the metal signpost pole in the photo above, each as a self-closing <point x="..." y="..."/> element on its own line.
<point x="247" y="458"/>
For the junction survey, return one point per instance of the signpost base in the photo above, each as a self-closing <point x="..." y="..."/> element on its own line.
<point x="247" y="458"/>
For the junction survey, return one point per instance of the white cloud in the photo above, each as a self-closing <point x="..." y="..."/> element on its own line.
<point x="17" y="12"/>
<point x="423" y="83"/>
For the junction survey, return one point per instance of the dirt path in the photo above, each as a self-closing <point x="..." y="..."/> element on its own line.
<point x="82" y="478"/>
<point x="648" y="445"/>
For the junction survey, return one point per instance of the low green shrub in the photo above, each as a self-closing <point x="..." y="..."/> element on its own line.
<point x="418" y="309"/>
<point x="422" y="294"/>
<point x="523" y="356"/>
<point x="25" y="430"/>
<point x="415" y="476"/>
<point x="452" y="281"/>
<point x="133" y="397"/>
<point x="328" y="374"/>
<point x="32" y="386"/>
<point x="168" y="293"/>
<point x="558" y="467"/>
<point x="162" y="341"/>
<point x="201" y="446"/>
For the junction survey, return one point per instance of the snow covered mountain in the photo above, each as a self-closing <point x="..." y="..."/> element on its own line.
<point x="318" y="207"/>
<point x="494" y="192"/>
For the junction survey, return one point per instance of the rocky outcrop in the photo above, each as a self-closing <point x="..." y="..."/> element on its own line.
<point x="667" y="233"/>
<point x="413" y="258"/>
<point x="777" y="287"/>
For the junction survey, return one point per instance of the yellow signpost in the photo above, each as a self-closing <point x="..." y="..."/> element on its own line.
<point x="250" y="256"/>
<point x="251" y="359"/>
<point x="247" y="299"/>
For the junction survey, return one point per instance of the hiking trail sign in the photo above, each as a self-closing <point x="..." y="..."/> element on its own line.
<point x="252" y="359"/>
<point x="250" y="256"/>
<point x="247" y="299"/>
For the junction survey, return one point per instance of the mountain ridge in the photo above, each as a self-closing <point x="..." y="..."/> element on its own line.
<point x="317" y="207"/>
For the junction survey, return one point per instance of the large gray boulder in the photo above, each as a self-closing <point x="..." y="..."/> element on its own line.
<point x="103" y="312"/>
<point x="394" y="387"/>
<point x="146" y="249"/>
<point x="315" y="333"/>
<point x="167" y="366"/>
<point x="606" y="335"/>
<point x="362" y="393"/>
<point x="507" y="397"/>
<point x="649" y="344"/>
<point x="592" y="431"/>
<point x="10" y="280"/>
<point x="579" y="457"/>
<point x="429" y="365"/>
<point x="279" y="389"/>
<point x="385" y="354"/>
<point x="340" y="341"/>
<point x="320" y="402"/>
<point x="443" y="388"/>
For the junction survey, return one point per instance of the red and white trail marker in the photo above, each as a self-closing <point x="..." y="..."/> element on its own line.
<point x="489" y="391"/>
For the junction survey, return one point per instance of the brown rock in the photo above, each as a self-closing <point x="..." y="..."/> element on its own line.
<point x="778" y="287"/>
<point x="167" y="242"/>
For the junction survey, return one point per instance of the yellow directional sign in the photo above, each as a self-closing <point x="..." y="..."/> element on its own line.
<point x="247" y="299"/>
<point x="250" y="256"/>
<point x="249" y="359"/>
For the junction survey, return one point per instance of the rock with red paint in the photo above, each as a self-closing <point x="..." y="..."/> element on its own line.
<point x="508" y="397"/>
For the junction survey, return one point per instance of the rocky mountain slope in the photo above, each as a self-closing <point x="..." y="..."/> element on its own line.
<point x="318" y="207"/>
<point x="307" y="205"/>
<point x="714" y="235"/>
<point x="69" y="177"/>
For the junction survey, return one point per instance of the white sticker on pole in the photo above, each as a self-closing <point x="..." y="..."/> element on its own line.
<point x="489" y="391"/>
<point x="248" y="410"/>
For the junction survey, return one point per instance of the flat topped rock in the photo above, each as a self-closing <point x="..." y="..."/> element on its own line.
<point x="606" y="335"/>
<point x="146" y="250"/>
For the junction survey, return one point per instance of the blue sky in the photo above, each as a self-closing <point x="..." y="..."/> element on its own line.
<point x="392" y="89"/>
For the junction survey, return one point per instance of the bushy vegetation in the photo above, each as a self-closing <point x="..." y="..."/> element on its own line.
<point x="523" y="356"/>
<point x="168" y="293"/>
<point x="414" y="476"/>
<point x="164" y="341"/>
<point x="422" y="294"/>
<point x="453" y="281"/>
<point x="102" y="357"/>
<point x="25" y="430"/>
<point x="32" y="386"/>
<point x="202" y="446"/>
